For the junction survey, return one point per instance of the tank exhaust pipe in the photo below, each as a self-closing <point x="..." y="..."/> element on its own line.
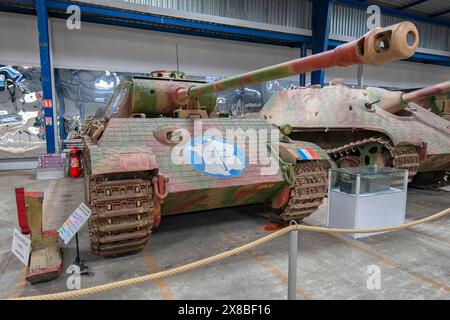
<point x="377" y="47"/>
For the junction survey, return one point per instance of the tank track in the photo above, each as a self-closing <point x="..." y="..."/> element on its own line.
<point x="403" y="157"/>
<point x="311" y="184"/>
<point x="122" y="215"/>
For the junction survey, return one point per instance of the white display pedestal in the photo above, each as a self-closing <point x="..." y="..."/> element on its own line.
<point x="366" y="210"/>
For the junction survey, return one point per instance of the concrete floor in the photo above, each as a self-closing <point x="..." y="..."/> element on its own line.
<point x="414" y="263"/>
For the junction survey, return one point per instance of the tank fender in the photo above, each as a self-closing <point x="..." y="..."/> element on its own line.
<point x="301" y="151"/>
<point x="290" y="153"/>
<point x="107" y="160"/>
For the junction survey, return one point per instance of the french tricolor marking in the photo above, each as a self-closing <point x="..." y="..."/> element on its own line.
<point x="307" y="154"/>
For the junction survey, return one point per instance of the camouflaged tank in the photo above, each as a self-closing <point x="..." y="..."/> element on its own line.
<point x="366" y="127"/>
<point x="154" y="150"/>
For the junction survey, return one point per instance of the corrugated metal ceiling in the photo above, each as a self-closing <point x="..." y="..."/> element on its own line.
<point x="290" y="13"/>
<point x="421" y="7"/>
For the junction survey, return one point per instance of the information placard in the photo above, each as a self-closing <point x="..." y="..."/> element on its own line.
<point x="74" y="223"/>
<point x="21" y="246"/>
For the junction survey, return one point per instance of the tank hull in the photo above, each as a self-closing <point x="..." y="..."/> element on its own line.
<point x="189" y="189"/>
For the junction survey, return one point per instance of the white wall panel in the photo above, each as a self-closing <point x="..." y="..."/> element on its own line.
<point x="227" y="58"/>
<point x="349" y="74"/>
<point x="406" y="75"/>
<point x="19" y="39"/>
<point x="98" y="47"/>
<point x="397" y="74"/>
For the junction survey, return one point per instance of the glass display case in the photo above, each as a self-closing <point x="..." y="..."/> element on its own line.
<point x="366" y="198"/>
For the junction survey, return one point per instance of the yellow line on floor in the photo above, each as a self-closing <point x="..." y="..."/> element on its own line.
<point x="422" y="231"/>
<point x="390" y="262"/>
<point x="269" y="266"/>
<point x="152" y="267"/>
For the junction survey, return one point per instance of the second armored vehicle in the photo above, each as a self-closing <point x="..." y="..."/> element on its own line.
<point x="368" y="127"/>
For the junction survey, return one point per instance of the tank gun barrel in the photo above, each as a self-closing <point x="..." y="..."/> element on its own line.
<point x="426" y="92"/>
<point x="377" y="47"/>
<point x="396" y="101"/>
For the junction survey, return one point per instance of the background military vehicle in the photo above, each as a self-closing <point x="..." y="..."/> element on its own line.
<point x="132" y="179"/>
<point x="366" y="127"/>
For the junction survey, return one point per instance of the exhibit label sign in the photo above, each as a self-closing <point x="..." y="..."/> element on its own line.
<point x="21" y="246"/>
<point x="74" y="223"/>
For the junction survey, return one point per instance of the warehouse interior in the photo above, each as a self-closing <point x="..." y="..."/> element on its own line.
<point x="71" y="70"/>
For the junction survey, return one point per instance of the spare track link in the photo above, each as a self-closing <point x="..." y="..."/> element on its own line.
<point x="403" y="157"/>
<point x="122" y="216"/>
<point x="311" y="184"/>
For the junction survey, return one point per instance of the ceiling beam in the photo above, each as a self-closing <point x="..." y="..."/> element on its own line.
<point x="395" y="12"/>
<point x="439" y="13"/>
<point x="412" y="4"/>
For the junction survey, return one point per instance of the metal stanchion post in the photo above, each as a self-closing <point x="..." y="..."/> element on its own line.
<point x="405" y="181"/>
<point x="328" y="196"/>
<point x="78" y="262"/>
<point x="292" y="271"/>
<point x="356" y="208"/>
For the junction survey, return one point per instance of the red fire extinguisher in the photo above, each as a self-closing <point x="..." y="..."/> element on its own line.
<point x="75" y="163"/>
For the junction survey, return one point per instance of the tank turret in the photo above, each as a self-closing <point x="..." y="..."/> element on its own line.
<point x="166" y="92"/>
<point x="395" y="101"/>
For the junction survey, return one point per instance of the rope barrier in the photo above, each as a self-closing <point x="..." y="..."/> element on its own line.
<point x="220" y="256"/>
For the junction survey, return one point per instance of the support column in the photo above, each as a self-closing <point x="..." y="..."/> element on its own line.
<point x="302" y="78"/>
<point x="61" y="104"/>
<point x="360" y="76"/>
<point x="46" y="74"/>
<point x="321" y="20"/>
